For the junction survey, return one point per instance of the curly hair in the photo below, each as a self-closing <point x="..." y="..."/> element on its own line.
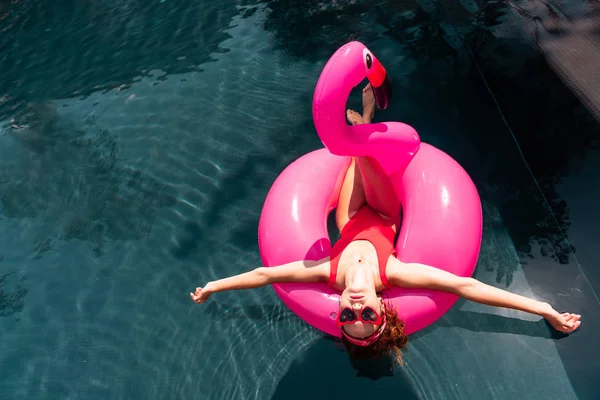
<point x="392" y="341"/>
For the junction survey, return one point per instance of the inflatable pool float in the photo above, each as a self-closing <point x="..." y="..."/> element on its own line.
<point x="442" y="222"/>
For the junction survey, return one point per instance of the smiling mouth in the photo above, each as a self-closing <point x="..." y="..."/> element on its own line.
<point x="357" y="297"/>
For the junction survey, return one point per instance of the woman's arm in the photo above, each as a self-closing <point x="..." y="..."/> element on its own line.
<point x="412" y="275"/>
<point x="297" y="271"/>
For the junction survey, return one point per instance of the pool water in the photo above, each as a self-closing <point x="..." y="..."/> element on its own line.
<point x="138" y="140"/>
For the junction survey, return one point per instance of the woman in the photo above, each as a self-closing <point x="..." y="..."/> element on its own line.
<point x="362" y="264"/>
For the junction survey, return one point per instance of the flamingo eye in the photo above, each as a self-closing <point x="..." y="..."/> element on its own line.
<point x="368" y="60"/>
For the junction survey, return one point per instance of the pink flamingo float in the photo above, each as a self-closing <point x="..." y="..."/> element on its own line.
<point x="442" y="222"/>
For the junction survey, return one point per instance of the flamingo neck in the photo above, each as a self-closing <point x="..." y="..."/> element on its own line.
<point x="341" y="74"/>
<point x="330" y="120"/>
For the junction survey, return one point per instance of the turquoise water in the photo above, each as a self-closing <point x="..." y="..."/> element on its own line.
<point x="138" y="141"/>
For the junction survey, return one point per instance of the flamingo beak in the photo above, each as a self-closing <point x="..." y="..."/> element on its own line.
<point x="380" y="83"/>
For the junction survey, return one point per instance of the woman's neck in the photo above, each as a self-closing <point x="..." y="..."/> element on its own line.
<point x="360" y="274"/>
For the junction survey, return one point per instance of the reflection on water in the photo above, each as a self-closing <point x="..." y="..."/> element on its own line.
<point x="71" y="48"/>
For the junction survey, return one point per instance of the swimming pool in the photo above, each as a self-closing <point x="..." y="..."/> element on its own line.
<point x="137" y="143"/>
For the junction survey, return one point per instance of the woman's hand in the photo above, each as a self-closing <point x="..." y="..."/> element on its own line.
<point x="201" y="294"/>
<point x="565" y="322"/>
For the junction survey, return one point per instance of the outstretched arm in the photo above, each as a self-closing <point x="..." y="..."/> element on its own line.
<point x="412" y="275"/>
<point x="297" y="271"/>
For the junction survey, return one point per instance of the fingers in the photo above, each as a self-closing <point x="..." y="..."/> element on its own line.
<point x="567" y="319"/>
<point x="570" y="318"/>
<point x="571" y="329"/>
<point x="197" y="296"/>
<point x="570" y="322"/>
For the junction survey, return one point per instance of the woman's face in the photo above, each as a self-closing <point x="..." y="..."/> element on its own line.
<point x="356" y="299"/>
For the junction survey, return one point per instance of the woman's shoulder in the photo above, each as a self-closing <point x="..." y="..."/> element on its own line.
<point x="394" y="267"/>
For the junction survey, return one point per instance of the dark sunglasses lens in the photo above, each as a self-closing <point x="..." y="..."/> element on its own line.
<point x="368" y="314"/>
<point x="347" y="315"/>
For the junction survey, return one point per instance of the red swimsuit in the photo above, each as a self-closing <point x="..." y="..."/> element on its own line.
<point x="368" y="225"/>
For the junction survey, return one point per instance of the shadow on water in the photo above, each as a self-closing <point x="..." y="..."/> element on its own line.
<point x="76" y="183"/>
<point x="258" y="170"/>
<point x="317" y="363"/>
<point x="491" y="323"/>
<point x="233" y="188"/>
<point x="322" y="371"/>
<point x="11" y="301"/>
<point x="550" y="145"/>
<point x="443" y="39"/>
<point x="455" y="318"/>
<point x="141" y="36"/>
<point x="293" y="25"/>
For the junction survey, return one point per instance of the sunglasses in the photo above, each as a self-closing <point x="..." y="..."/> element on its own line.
<point x="366" y="315"/>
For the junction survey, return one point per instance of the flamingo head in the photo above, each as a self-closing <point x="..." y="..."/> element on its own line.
<point x="346" y="68"/>
<point x="378" y="78"/>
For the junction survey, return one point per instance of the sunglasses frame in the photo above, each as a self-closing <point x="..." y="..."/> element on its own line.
<point x="359" y="317"/>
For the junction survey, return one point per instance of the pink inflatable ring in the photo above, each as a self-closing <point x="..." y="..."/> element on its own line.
<point x="442" y="221"/>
